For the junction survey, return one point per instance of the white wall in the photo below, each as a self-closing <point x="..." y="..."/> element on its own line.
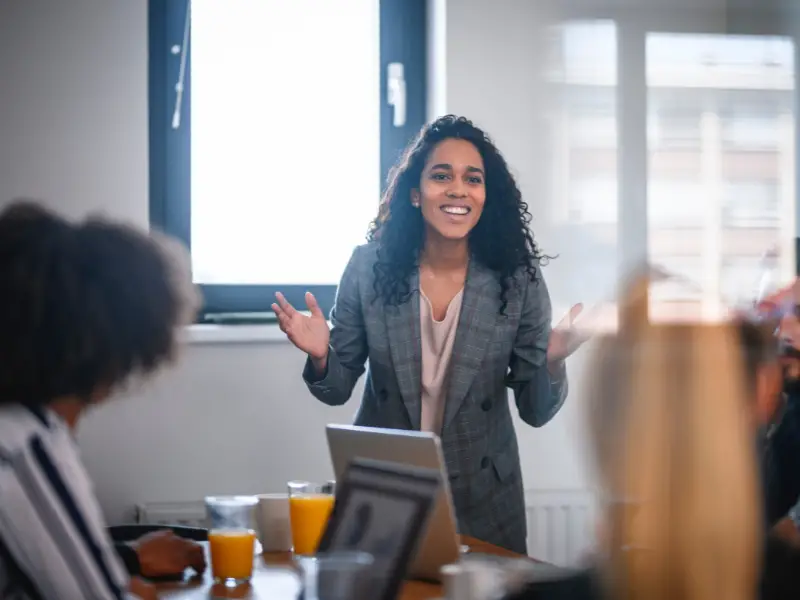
<point x="231" y="417"/>
<point x="73" y="104"/>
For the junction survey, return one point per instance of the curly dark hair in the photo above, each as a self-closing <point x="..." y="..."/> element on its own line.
<point x="83" y="306"/>
<point x="501" y="240"/>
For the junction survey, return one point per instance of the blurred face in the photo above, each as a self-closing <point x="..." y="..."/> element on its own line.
<point x="452" y="190"/>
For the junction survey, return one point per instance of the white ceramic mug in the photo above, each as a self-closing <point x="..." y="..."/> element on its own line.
<point x="272" y="521"/>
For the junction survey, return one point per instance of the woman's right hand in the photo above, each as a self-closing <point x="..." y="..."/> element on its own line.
<point x="309" y="333"/>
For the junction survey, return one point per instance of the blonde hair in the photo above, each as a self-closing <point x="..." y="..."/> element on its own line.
<point x="672" y="430"/>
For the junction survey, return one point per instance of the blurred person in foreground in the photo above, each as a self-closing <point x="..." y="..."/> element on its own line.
<point x="84" y="308"/>
<point x="673" y="419"/>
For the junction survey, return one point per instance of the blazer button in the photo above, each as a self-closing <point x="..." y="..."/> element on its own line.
<point x="485" y="462"/>
<point x="486" y="405"/>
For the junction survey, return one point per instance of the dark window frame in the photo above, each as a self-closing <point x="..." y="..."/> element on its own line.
<point x="403" y="39"/>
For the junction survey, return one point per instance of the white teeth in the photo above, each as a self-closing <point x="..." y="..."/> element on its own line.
<point x="455" y="210"/>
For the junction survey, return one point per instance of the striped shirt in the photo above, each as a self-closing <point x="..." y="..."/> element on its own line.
<point x="53" y="538"/>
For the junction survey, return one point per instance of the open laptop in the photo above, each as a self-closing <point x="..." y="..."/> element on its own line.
<point x="440" y="544"/>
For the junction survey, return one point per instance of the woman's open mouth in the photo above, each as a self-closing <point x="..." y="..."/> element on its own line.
<point x="456" y="210"/>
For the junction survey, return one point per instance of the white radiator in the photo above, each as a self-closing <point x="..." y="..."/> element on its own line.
<point x="560" y="522"/>
<point x="561" y="525"/>
<point x="192" y="514"/>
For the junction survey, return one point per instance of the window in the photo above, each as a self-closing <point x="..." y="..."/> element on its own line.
<point x="675" y="203"/>
<point x="271" y="135"/>
<point x="740" y="278"/>
<point x="751" y="133"/>
<point x="674" y="131"/>
<point x="583" y="196"/>
<point x="593" y="200"/>
<point x="675" y="148"/>
<point x="751" y="204"/>
<point x="724" y="105"/>
<point x="593" y="132"/>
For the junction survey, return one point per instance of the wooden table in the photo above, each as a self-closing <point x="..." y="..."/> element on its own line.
<point x="273" y="572"/>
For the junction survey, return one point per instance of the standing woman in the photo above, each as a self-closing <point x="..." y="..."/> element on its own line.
<point x="448" y="304"/>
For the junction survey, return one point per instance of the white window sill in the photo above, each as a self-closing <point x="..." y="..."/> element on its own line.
<point x="234" y="334"/>
<point x="267" y="333"/>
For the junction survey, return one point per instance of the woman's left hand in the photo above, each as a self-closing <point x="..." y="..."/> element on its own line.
<point x="565" y="339"/>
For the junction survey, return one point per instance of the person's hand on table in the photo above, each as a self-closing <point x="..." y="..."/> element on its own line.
<point x="308" y="333"/>
<point x="162" y="553"/>
<point x="141" y="589"/>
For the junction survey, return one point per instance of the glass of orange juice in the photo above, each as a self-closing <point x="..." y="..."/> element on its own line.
<point x="310" y="505"/>
<point x="231" y="538"/>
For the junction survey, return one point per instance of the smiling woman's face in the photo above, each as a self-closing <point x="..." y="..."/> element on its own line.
<point x="452" y="189"/>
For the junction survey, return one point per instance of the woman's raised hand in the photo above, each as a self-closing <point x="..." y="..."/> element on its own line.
<point x="564" y="338"/>
<point x="310" y="333"/>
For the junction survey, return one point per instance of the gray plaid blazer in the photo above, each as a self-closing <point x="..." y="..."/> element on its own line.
<point x="491" y="352"/>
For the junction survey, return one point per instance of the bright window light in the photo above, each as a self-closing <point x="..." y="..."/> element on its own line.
<point x="285" y="166"/>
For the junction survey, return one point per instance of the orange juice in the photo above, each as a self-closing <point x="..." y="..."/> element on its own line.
<point x="309" y="514"/>
<point x="232" y="553"/>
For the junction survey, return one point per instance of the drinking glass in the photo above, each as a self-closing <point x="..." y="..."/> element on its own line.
<point x="336" y="576"/>
<point x="231" y="538"/>
<point x="310" y="505"/>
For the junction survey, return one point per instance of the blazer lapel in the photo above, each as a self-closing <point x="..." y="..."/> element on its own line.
<point x="402" y="330"/>
<point x="475" y="330"/>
